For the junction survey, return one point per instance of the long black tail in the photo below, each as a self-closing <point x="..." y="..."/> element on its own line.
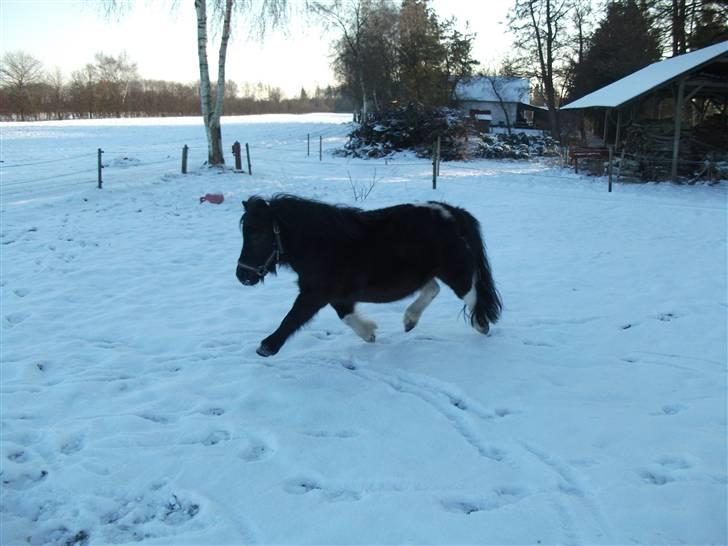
<point x="488" y="304"/>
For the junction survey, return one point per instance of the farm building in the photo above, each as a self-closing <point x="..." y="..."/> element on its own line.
<point x="494" y="101"/>
<point x="637" y="115"/>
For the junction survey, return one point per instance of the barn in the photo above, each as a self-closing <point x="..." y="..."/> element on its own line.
<point x="668" y="120"/>
<point x="495" y="101"/>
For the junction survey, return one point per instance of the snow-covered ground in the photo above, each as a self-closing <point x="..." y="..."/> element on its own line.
<point x="135" y="409"/>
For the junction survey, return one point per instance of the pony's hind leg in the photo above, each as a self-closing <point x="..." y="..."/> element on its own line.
<point x="465" y="288"/>
<point x="363" y="327"/>
<point x="413" y="313"/>
<point x="470" y="299"/>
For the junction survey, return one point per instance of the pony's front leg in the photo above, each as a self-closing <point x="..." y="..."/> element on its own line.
<point x="303" y="310"/>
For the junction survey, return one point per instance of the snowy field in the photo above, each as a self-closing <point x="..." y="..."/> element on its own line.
<point x="135" y="409"/>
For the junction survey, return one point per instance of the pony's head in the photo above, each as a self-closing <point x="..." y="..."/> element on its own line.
<point x="261" y="242"/>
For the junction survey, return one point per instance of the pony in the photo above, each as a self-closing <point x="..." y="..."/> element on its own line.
<point x="344" y="255"/>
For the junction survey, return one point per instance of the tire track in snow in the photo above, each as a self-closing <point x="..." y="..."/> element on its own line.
<point x="572" y="488"/>
<point x="453" y="406"/>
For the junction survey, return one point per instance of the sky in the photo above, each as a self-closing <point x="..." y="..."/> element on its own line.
<point x="161" y="39"/>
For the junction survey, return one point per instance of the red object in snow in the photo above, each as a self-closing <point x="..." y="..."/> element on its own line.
<point x="215" y="198"/>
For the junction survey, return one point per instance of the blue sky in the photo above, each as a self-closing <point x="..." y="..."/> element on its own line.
<point x="161" y="40"/>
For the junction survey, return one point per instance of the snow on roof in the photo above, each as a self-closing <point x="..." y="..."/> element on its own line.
<point x="480" y="88"/>
<point x="640" y="82"/>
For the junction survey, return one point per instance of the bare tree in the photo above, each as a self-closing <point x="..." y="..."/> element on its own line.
<point x="57" y="92"/>
<point x="539" y="27"/>
<point x="115" y="75"/>
<point x="506" y="87"/>
<point x="19" y="72"/>
<point x="350" y="17"/>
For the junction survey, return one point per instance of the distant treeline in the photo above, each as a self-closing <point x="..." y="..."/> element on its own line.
<point x="111" y="87"/>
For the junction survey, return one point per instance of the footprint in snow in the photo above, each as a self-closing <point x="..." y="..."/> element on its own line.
<point x="671" y="409"/>
<point x="256" y="451"/>
<point x="500" y="497"/>
<point x="21" y="478"/>
<point x="214" y="412"/>
<point x="675" y="462"/>
<point x="655" y="478"/>
<point x="216" y="437"/>
<point x="304" y="486"/>
<point x="13" y="319"/>
<point x="72" y="444"/>
<point x="342" y="434"/>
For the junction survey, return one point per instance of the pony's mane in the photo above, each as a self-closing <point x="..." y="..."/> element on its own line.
<point x="334" y="222"/>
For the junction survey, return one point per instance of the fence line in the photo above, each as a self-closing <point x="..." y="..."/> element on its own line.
<point x="284" y="150"/>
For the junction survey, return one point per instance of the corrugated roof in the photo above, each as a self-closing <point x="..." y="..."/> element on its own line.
<point x="640" y="82"/>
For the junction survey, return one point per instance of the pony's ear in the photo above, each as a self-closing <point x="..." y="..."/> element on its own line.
<point x="256" y="205"/>
<point x="245" y="205"/>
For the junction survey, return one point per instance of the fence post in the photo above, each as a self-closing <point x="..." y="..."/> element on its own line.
<point x="308" y="145"/>
<point x="185" y="150"/>
<point x="321" y="148"/>
<point x="434" y="165"/>
<point x="611" y="156"/>
<point x="247" y="154"/>
<point x="438" y="156"/>
<point x="100" y="167"/>
<point x="238" y="160"/>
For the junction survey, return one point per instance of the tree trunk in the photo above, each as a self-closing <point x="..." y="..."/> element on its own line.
<point x="215" y="131"/>
<point x="210" y="115"/>
<point x="364" y="100"/>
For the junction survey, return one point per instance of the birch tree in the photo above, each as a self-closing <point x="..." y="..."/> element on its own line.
<point x="211" y="105"/>
<point x="261" y="15"/>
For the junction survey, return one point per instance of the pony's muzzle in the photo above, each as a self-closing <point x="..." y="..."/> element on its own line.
<point x="247" y="277"/>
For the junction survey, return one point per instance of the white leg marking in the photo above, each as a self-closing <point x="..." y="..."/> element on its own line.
<point x="416" y="308"/>
<point x="470" y="298"/>
<point x="364" y="328"/>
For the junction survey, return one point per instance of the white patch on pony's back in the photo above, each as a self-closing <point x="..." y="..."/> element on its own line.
<point x="446" y="214"/>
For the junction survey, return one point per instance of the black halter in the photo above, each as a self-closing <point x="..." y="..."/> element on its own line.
<point x="262" y="270"/>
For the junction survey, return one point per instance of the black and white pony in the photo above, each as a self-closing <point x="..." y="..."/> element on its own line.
<point x="345" y="255"/>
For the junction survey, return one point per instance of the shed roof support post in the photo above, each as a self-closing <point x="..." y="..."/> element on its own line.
<point x="678" y="126"/>
<point x="606" y="122"/>
<point x="619" y="126"/>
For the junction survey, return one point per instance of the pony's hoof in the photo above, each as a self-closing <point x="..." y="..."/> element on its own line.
<point x="265" y="350"/>
<point x="483" y="329"/>
<point x="409" y="325"/>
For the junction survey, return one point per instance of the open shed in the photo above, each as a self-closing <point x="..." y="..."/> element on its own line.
<point x="677" y="107"/>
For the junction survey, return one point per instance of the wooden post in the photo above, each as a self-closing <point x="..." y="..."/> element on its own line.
<point x="238" y="159"/>
<point x="247" y="154"/>
<point x="434" y="165"/>
<point x="308" y="145"/>
<point x="611" y="156"/>
<point x="621" y="162"/>
<point x="100" y="167"/>
<point x="606" y="124"/>
<point x="619" y="127"/>
<point x="438" y="156"/>
<point x="321" y="148"/>
<point x="678" y="128"/>
<point x="185" y="151"/>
